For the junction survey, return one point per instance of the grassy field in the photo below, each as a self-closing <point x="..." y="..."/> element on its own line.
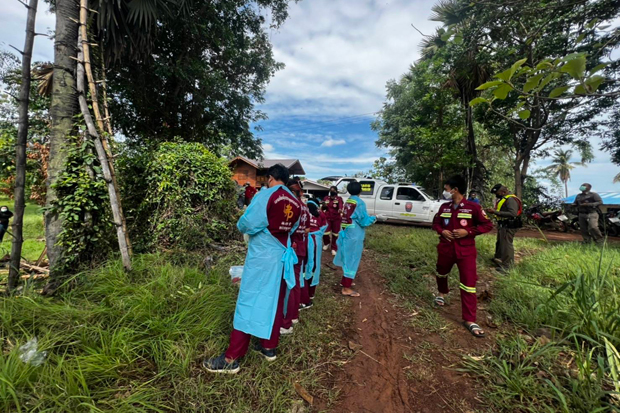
<point x="33" y="232"/>
<point x="561" y="310"/>
<point x="134" y="343"/>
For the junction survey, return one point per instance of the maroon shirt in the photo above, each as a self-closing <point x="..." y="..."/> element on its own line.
<point x="316" y="223"/>
<point x="349" y="209"/>
<point x="250" y="191"/>
<point x="300" y="237"/>
<point x="334" y="206"/>
<point x="468" y="216"/>
<point x="283" y="211"/>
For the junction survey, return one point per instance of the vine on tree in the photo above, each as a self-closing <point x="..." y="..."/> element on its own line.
<point x="82" y="205"/>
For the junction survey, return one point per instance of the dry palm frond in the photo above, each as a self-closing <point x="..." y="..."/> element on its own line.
<point x="44" y="75"/>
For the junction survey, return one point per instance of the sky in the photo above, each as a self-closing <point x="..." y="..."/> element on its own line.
<point x="338" y="56"/>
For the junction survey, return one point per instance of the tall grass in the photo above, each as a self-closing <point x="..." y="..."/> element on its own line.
<point x="134" y="342"/>
<point x="566" y="288"/>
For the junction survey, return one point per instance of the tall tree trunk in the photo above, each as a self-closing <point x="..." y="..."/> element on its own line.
<point x="521" y="168"/>
<point x="478" y="173"/>
<point x="566" y="189"/>
<point x="62" y="110"/>
<point x="115" y="199"/>
<point x="102" y="156"/>
<point x="20" y="155"/>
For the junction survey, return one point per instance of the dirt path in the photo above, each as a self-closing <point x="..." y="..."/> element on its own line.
<point x="400" y="365"/>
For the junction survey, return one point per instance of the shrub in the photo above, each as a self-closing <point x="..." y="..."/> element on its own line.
<point x="190" y="199"/>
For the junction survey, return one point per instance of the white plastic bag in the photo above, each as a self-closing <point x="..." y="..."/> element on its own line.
<point x="235" y="273"/>
<point x="30" y="355"/>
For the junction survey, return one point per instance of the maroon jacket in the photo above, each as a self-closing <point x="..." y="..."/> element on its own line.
<point x="283" y="211"/>
<point x="468" y="216"/>
<point x="333" y="207"/>
<point x="300" y="236"/>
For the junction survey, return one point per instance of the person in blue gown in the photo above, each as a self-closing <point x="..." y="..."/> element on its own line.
<point x="351" y="240"/>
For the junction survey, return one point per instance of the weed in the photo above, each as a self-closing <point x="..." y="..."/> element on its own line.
<point x="133" y="343"/>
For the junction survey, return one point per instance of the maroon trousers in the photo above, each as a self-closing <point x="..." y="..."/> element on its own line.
<point x="294" y="298"/>
<point x="468" y="276"/>
<point x="333" y="229"/>
<point x="307" y="292"/>
<point x="240" y="341"/>
<point x="346" y="282"/>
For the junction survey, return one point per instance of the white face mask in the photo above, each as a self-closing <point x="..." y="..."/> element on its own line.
<point x="4" y="209"/>
<point x="447" y="195"/>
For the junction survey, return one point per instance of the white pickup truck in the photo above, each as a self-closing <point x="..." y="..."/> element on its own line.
<point x="393" y="202"/>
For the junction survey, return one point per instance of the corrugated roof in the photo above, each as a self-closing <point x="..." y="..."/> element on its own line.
<point x="293" y="165"/>
<point x="609" y="198"/>
<point x="311" y="182"/>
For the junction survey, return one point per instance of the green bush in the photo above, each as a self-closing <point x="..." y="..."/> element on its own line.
<point x="189" y="200"/>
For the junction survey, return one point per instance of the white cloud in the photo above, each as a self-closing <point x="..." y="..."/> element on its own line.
<point x="333" y="142"/>
<point x="267" y="147"/>
<point x="339" y="54"/>
<point x="13" y="29"/>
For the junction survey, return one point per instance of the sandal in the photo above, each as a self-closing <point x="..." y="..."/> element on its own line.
<point x="473" y="327"/>
<point x="440" y="301"/>
<point x="353" y="294"/>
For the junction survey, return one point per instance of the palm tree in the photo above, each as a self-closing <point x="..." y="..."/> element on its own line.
<point x="120" y="27"/>
<point x="465" y="75"/>
<point x="617" y="178"/>
<point x="562" y="166"/>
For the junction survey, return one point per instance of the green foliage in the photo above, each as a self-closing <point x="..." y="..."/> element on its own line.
<point x="33" y="232"/>
<point x="211" y="62"/>
<point x="571" y="290"/>
<point x="38" y="131"/>
<point x="422" y="125"/>
<point x="83" y="205"/>
<point x="190" y="198"/>
<point x="134" y="342"/>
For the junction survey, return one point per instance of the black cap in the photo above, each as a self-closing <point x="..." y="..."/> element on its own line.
<point x="496" y="188"/>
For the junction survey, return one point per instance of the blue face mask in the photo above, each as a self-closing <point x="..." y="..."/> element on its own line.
<point x="582" y="188"/>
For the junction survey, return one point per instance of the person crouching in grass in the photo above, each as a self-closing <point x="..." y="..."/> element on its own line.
<point x="351" y="239"/>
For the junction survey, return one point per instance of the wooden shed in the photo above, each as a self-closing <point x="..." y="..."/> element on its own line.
<point x="255" y="172"/>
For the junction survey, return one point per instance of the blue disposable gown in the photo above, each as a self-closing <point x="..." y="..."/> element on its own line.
<point x="351" y="240"/>
<point x="315" y="252"/>
<point x="266" y="263"/>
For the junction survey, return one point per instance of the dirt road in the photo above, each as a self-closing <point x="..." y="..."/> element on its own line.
<point x="400" y="364"/>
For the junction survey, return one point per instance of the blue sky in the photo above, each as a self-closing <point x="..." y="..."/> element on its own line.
<point x="338" y="56"/>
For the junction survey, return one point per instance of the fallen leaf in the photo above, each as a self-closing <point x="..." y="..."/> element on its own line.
<point x="544" y="340"/>
<point x="354" y="346"/>
<point x="303" y="393"/>
<point x="364" y="320"/>
<point x="477" y="358"/>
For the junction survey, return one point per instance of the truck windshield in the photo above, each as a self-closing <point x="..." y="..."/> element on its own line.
<point x="432" y="198"/>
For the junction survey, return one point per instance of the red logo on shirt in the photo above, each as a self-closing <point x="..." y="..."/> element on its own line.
<point x="463" y="222"/>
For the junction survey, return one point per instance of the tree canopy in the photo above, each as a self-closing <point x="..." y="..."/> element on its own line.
<point x="538" y="75"/>
<point x="207" y="66"/>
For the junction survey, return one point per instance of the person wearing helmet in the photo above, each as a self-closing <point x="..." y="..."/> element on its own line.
<point x="588" y="203"/>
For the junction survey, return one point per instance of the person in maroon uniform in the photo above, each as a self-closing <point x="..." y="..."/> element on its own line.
<point x="250" y="191"/>
<point x="333" y="206"/>
<point x="458" y="222"/>
<point x="268" y="271"/>
<point x="313" y="263"/>
<point x="300" y="244"/>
